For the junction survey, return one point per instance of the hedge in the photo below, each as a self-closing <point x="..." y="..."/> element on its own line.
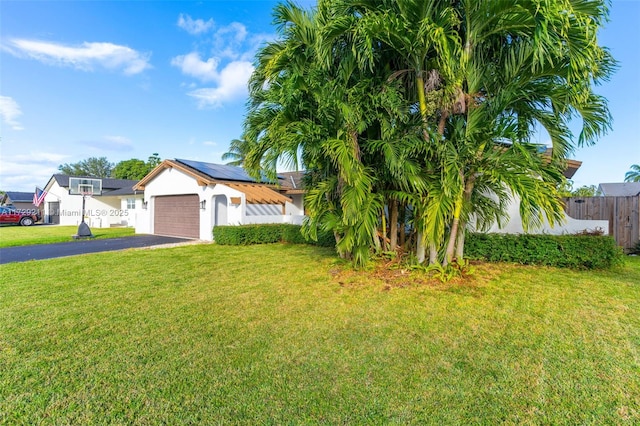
<point x="569" y="251"/>
<point x="267" y="233"/>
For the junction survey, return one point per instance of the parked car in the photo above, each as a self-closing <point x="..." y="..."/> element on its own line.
<point x="18" y="217"/>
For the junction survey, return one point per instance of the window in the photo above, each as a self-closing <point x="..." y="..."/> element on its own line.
<point x="131" y="203"/>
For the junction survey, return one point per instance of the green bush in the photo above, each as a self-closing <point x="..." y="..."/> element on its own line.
<point x="569" y="251"/>
<point x="267" y="233"/>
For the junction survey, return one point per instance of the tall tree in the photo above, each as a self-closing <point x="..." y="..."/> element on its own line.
<point x="98" y="167"/>
<point x="426" y="106"/>
<point x="502" y="67"/>
<point x="238" y="150"/>
<point x="342" y="123"/>
<point x="134" y="168"/>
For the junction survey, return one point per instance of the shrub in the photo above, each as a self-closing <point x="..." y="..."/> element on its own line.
<point x="267" y="233"/>
<point x="570" y="251"/>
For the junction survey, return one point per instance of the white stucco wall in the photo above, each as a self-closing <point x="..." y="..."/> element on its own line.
<point x="100" y="212"/>
<point x="172" y="181"/>
<point x="129" y="217"/>
<point x="297" y="207"/>
<point x="570" y="225"/>
<point x="296" y="220"/>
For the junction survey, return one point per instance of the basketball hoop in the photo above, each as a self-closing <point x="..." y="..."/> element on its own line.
<point x="87" y="187"/>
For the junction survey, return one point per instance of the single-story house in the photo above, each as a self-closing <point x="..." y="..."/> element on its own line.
<point x="19" y="200"/>
<point x="622" y="189"/>
<point x="118" y="204"/>
<point x="188" y="198"/>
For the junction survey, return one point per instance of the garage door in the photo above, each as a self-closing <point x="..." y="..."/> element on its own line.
<point x="177" y="215"/>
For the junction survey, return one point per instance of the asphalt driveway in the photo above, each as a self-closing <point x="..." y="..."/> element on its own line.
<point x="72" y="248"/>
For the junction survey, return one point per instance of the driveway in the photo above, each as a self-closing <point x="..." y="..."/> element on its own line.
<point x="72" y="248"/>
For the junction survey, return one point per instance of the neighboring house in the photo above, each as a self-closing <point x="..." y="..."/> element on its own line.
<point x="570" y="226"/>
<point x="118" y="205"/>
<point x="188" y="198"/>
<point x="20" y="201"/>
<point x="291" y="185"/>
<point x="624" y="189"/>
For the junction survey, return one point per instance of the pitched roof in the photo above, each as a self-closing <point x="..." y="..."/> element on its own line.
<point x="19" y="197"/>
<point x="107" y="183"/>
<point x="291" y="182"/>
<point x="258" y="193"/>
<point x="221" y="171"/>
<point x="127" y="190"/>
<point x="572" y="166"/>
<point x="109" y="186"/>
<point x="210" y="174"/>
<point x="622" y="189"/>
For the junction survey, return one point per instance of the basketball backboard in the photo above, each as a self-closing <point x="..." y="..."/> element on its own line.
<point x="85" y="186"/>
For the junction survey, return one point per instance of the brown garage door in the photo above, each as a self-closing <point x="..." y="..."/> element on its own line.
<point x="177" y="215"/>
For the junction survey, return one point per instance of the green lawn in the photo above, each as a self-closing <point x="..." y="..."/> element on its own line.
<point x="283" y="334"/>
<point x="11" y="236"/>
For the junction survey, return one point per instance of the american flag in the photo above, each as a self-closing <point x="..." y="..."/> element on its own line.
<point x="38" y="197"/>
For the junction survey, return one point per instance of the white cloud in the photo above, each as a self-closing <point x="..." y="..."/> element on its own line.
<point x="231" y="84"/>
<point x="111" y="143"/>
<point x="228" y="66"/>
<point x="194" y="26"/>
<point x="86" y="56"/>
<point x="10" y="111"/>
<point x="193" y="66"/>
<point x="26" y="171"/>
<point x="232" y="42"/>
<point x="209" y="143"/>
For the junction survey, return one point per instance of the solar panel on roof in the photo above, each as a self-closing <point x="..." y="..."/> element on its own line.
<point x="220" y="171"/>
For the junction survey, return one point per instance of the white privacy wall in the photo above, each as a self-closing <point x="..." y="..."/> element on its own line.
<point x="570" y="225"/>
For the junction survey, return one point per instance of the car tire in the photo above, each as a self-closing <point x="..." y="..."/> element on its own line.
<point x="26" y="221"/>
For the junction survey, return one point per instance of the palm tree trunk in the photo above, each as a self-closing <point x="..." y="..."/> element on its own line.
<point x="460" y="240"/>
<point x="376" y="242"/>
<point x="420" y="247"/>
<point x="420" y="244"/>
<point x="403" y="230"/>
<point x="452" y="236"/>
<point x="433" y="254"/>
<point x="454" y="229"/>
<point x="468" y="191"/>
<point x="383" y="218"/>
<point x="393" y="225"/>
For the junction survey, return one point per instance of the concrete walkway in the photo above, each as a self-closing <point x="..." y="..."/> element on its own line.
<point x="72" y="248"/>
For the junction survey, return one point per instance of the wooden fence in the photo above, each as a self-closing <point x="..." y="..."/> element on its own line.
<point x="623" y="214"/>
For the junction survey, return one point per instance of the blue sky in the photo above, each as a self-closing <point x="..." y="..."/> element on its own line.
<point x="125" y="79"/>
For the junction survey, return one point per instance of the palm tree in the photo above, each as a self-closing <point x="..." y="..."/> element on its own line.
<point x="499" y="65"/>
<point x="633" y="175"/>
<point x="426" y="106"/>
<point x="303" y="112"/>
<point x="404" y="31"/>
<point x="238" y="150"/>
